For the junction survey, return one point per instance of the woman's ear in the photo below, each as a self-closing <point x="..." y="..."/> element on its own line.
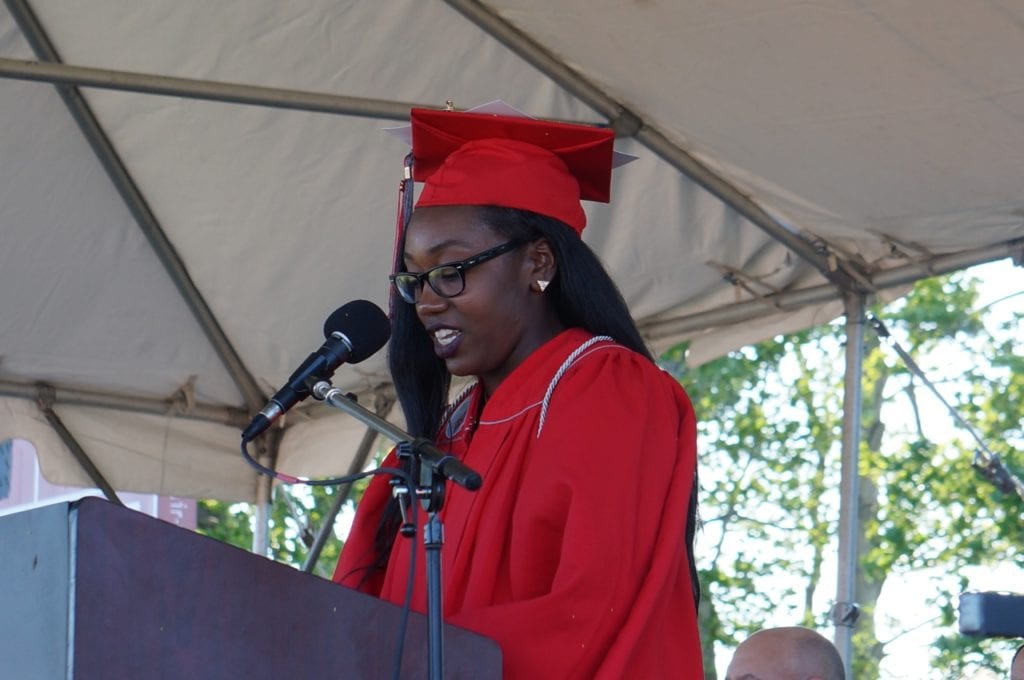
<point x="541" y="263"/>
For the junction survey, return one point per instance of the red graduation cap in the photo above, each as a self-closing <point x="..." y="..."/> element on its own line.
<point x="546" y="167"/>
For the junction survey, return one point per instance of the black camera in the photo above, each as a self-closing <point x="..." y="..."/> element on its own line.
<point x="992" y="614"/>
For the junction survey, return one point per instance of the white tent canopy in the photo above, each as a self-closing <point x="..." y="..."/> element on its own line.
<point x="209" y="181"/>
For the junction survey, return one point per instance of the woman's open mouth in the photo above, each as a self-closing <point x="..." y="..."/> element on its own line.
<point x="446" y="342"/>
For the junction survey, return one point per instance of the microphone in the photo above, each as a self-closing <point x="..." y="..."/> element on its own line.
<point x="354" y="332"/>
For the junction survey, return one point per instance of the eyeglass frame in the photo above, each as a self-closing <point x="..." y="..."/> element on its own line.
<point x="460" y="266"/>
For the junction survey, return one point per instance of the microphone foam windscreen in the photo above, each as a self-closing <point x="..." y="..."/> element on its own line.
<point x="364" y="324"/>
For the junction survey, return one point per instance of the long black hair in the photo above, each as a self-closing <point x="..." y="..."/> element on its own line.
<point x="583" y="295"/>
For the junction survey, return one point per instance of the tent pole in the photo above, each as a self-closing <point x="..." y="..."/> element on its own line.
<point x="45" y="402"/>
<point x="340" y="496"/>
<point x="234" y="93"/>
<point x="382" y="405"/>
<point x="626" y="123"/>
<point x="845" y="610"/>
<point x="794" y="300"/>
<point x="139" y="208"/>
<point x="267" y="455"/>
<point x="175" y="405"/>
<point x="261" y="519"/>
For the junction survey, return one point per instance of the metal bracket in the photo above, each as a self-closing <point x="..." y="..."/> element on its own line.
<point x="845" y="614"/>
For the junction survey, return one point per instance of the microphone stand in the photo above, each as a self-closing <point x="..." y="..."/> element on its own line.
<point x="435" y="467"/>
<point x="430" y="492"/>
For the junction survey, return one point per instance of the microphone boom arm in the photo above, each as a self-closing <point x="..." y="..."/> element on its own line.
<point x="443" y="464"/>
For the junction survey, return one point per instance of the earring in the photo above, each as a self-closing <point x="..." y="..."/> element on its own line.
<point x="542" y="284"/>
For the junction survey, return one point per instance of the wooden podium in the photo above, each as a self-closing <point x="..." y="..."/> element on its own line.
<point x="93" y="591"/>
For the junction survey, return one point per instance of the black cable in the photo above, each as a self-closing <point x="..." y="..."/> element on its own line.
<point x="347" y="479"/>
<point x="987" y="463"/>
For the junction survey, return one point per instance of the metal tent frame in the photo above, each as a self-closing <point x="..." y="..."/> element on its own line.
<point x="846" y="279"/>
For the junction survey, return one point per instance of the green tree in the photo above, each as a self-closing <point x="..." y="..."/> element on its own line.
<point x="296" y="515"/>
<point x="770" y="452"/>
<point x="227" y="522"/>
<point x="925" y="506"/>
<point x="768" y="474"/>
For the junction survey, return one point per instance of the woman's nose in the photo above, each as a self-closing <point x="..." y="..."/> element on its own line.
<point x="429" y="302"/>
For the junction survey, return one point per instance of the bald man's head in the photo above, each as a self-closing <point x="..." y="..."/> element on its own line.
<point x="1017" y="665"/>
<point x="788" y="653"/>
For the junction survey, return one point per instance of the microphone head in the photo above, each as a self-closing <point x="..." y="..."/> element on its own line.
<point x="364" y="325"/>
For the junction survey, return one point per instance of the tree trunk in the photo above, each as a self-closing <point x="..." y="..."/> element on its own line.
<point x="707" y="621"/>
<point x="868" y="650"/>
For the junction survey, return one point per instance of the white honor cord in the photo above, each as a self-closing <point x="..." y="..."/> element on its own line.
<point x="569" y="361"/>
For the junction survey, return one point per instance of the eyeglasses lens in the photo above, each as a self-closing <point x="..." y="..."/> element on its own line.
<point x="446" y="282"/>
<point x="407" y="285"/>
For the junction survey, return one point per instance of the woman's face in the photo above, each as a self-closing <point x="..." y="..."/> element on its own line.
<point x="500" y="317"/>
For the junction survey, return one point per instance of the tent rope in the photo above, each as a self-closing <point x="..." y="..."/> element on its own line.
<point x="985" y="461"/>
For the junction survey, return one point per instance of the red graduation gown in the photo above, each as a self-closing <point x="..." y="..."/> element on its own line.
<point x="572" y="555"/>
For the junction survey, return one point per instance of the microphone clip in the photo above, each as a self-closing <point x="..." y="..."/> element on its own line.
<point x="430" y="485"/>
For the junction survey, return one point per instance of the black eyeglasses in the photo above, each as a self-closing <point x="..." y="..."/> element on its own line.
<point x="447" y="280"/>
